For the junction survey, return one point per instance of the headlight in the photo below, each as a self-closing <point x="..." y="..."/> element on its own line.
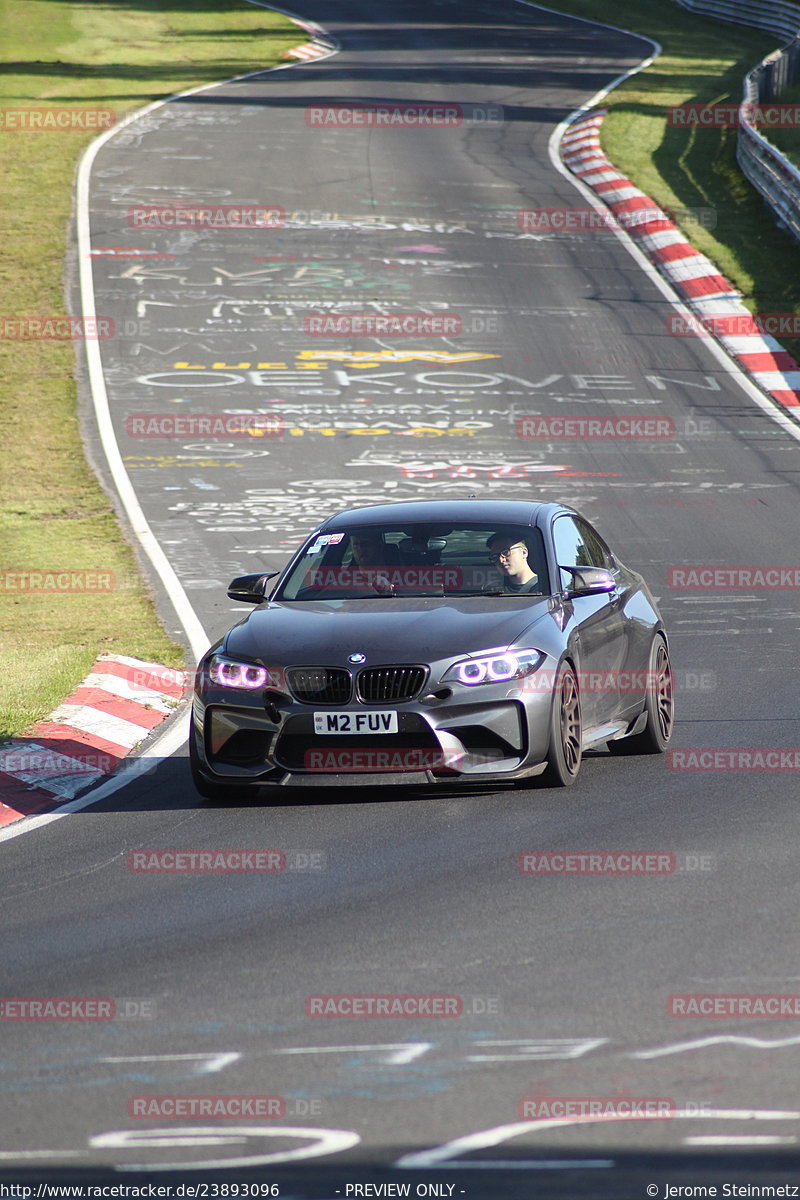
<point x="494" y="667"/>
<point x="229" y="673"/>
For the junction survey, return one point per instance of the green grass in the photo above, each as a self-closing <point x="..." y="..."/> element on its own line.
<point x="124" y="53"/>
<point x="702" y="61"/>
<point x="53" y="514"/>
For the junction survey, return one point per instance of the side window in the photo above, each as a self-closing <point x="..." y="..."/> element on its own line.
<point x="571" y="549"/>
<point x="599" y="552"/>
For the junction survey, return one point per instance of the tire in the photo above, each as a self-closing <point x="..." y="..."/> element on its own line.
<point x="565" y="751"/>
<point x="659" y="704"/>
<point x="219" y="792"/>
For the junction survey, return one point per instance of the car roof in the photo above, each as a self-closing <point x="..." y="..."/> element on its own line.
<point x="494" y="512"/>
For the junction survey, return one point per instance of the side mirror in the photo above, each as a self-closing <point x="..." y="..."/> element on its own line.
<point x="589" y="581"/>
<point x="250" y="589"/>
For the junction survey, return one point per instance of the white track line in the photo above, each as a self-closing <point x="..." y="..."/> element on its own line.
<point x="729" y="365"/>
<point x="198" y="638"/>
<point x="190" y="622"/>
<point x="164" y="746"/>
<point x="175" y="736"/>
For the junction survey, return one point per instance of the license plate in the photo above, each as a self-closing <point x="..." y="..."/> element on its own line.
<point x="355" y="722"/>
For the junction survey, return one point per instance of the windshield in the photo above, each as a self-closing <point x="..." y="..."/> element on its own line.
<point x="374" y="561"/>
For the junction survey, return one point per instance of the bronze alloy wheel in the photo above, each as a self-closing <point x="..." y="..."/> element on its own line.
<point x="659" y="705"/>
<point x="566" y="733"/>
<point x="570" y="721"/>
<point x="662" y="685"/>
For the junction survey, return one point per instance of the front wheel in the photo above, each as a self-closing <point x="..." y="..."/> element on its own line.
<point x="566" y="745"/>
<point x="659" y="704"/>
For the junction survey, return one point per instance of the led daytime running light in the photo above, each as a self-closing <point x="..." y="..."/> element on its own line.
<point x="229" y="674"/>
<point x="492" y="670"/>
<point x="495" y="668"/>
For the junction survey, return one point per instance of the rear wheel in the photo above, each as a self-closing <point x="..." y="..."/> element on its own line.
<point x="564" y="755"/>
<point x="659" y="704"/>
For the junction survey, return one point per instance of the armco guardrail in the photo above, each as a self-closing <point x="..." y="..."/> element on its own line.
<point x="773" y="15"/>
<point x="770" y="172"/>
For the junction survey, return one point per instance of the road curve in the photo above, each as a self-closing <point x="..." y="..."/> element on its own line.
<point x="564" y="979"/>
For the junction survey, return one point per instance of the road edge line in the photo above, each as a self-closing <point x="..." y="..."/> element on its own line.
<point x="178" y="730"/>
<point x="717" y="351"/>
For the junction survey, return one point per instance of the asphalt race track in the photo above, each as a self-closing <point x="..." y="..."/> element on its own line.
<point x="564" y="980"/>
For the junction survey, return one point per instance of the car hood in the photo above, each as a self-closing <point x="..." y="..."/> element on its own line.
<point x="315" y="633"/>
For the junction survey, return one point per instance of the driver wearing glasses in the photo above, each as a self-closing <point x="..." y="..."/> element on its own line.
<point x="511" y="559"/>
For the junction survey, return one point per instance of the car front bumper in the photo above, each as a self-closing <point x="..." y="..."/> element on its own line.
<point x="491" y="732"/>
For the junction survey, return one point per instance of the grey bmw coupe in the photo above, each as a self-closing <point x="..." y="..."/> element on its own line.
<point x="430" y="642"/>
